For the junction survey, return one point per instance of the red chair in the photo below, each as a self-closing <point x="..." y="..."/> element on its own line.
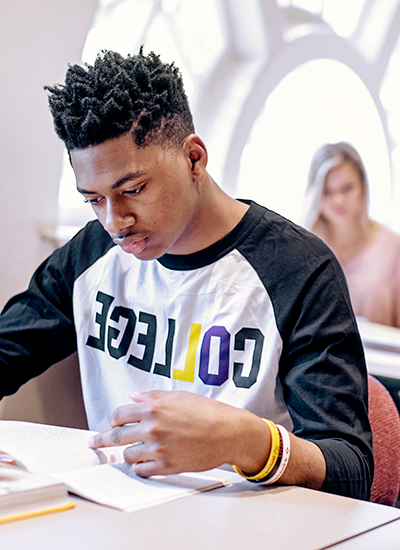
<point x="385" y="425"/>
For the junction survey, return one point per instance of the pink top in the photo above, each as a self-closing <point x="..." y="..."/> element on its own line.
<point x="373" y="277"/>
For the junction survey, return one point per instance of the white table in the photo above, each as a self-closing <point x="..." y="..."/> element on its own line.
<point x="239" y="516"/>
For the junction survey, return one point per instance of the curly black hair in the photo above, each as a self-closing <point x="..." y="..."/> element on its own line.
<point x="117" y="94"/>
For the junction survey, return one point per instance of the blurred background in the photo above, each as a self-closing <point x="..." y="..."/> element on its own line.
<point x="269" y="81"/>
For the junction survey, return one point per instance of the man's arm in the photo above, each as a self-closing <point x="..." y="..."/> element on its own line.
<point x="37" y="326"/>
<point x="178" y="431"/>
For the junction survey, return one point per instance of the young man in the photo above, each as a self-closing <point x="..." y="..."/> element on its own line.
<point x="195" y="316"/>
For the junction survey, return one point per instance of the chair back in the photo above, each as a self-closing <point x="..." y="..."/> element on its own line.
<point x="385" y="425"/>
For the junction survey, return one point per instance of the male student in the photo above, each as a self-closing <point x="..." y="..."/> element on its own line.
<point x="209" y="330"/>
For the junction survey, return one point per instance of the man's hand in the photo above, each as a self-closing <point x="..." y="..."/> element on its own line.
<point x="174" y="432"/>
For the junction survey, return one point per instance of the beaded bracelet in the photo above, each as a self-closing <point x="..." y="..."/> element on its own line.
<point x="272" y="458"/>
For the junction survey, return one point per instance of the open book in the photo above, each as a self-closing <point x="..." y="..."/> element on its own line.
<point x="101" y="476"/>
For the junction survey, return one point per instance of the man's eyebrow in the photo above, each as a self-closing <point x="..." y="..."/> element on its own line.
<point x="128" y="177"/>
<point x="118" y="183"/>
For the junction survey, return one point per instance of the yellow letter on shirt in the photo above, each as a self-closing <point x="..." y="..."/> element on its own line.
<point x="187" y="375"/>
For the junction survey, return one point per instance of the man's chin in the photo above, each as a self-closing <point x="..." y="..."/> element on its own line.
<point x="145" y="254"/>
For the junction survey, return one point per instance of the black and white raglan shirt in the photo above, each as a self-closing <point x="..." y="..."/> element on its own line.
<point x="259" y="320"/>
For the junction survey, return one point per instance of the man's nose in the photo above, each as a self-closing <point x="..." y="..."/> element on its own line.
<point x="117" y="217"/>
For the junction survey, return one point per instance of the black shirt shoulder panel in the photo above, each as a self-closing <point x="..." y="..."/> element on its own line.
<point x="39" y="323"/>
<point x="83" y="250"/>
<point x="322" y="365"/>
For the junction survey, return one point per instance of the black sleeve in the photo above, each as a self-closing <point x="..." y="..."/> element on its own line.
<point x="325" y="383"/>
<point x="322" y="366"/>
<point x="37" y="327"/>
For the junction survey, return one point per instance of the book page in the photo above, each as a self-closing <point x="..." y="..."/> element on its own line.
<point x="101" y="476"/>
<point x="49" y="449"/>
<point x="118" y="486"/>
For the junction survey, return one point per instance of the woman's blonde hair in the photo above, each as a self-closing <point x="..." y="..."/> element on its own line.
<point x="327" y="157"/>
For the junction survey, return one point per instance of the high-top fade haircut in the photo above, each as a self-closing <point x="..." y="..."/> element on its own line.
<point x="118" y="94"/>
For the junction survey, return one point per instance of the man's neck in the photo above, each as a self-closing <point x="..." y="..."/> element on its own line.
<point x="216" y="215"/>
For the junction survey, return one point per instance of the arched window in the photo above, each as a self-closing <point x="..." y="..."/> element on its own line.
<point x="268" y="82"/>
<point x="321" y="101"/>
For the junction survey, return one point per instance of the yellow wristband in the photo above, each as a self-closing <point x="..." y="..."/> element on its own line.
<point x="272" y="458"/>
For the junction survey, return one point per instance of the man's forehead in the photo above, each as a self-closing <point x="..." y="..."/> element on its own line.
<point x="115" y="159"/>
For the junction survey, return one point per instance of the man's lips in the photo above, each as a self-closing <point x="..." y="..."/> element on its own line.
<point x="132" y="244"/>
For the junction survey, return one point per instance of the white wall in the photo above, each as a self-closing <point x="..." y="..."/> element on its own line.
<point x="38" y="39"/>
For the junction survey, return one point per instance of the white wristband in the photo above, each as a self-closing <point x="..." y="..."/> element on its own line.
<point x="285" y="456"/>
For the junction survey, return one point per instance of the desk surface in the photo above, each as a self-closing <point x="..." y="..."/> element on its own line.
<point x="386" y="537"/>
<point x="235" y="517"/>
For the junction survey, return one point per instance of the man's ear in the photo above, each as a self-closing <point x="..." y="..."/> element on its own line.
<point x="196" y="153"/>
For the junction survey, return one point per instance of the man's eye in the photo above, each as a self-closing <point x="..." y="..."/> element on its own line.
<point x="93" y="202"/>
<point x="135" y="191"/>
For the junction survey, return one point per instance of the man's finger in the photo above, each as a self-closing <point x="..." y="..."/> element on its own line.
<point x="121" y="435"/>
<point x="127" y="414"/>
<point x="149" y="468"/>
<point x="139" y="397"/>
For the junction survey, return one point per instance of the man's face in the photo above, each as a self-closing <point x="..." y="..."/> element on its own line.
<point x="145" y="198"/>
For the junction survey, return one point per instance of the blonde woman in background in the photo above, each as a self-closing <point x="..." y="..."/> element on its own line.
<point x="336" y="209"/>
